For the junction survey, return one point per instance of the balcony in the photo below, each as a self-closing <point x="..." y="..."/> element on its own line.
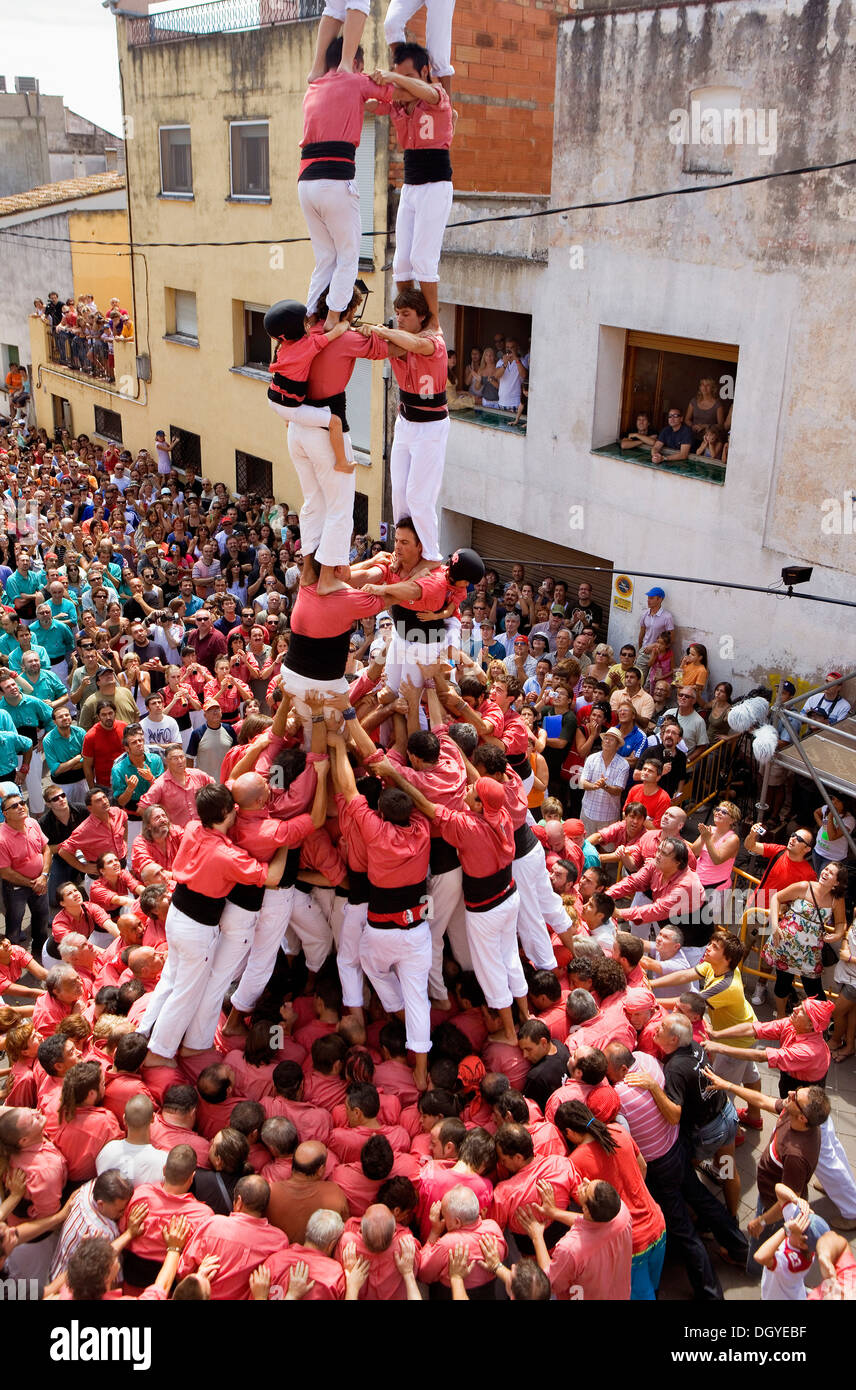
<point x="221" y="17"/>
<point x="88" y="357"/>
<point x="84" y="362"/>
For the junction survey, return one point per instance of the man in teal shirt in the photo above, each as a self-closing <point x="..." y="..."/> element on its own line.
<point x="28" y="716"/>
<point x="63" y="609"/>
<point x="62" y="748"/>
<point x="24" y="587"/>
<point x="12" y="745"/>
<point x="45" y="684"/>
<point x="134" y="773"/>
<point x="56" y="638"/>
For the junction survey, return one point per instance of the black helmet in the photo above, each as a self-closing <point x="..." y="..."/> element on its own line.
<point x="285" y="319"/>
<point x="466" y="564"/>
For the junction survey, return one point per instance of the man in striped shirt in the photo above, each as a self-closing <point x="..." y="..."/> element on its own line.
<point x="96" y="1209"/>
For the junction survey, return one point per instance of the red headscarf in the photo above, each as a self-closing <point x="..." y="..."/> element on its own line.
<point x="492" y="797"/>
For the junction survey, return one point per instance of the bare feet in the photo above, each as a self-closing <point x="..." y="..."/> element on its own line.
<point x="235" y="1026"/>
<point x="192" y="1051"/>
<point x="154" y="1059"/>
<point x="337" y="438"/>
<point x="442" y="1004"/>
<point x="841" y="1052"/>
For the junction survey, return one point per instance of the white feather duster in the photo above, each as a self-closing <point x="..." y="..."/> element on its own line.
<point x="764" y="742"/>
<point x="745" y="715"/>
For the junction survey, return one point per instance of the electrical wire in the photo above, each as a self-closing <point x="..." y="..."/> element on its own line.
<point x="470" y="221"/>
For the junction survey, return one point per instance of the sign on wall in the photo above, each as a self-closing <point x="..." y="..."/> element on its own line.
<point x="622" y="592"/>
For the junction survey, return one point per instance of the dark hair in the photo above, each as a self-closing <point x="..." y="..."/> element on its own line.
<point x="287" y="1079"/>
<point x="512" y="1106"/>
<point x="414" y="52"/>
<point x="603" y="1201"/>
<point x="233" y="1150"/>
<point x="377" y="1158"/>
<point x="533" y="1030"/>
<point x="77" y="1083"/>
<point x="545" y="982"/>
<point x="394" y="806"/>
<point x="50" y="1052"/>
<point x="424" y="745"/>
<point x="393" y="1037"/>
<point x="478" y="1150"/>
<point x="247" y="1116"/>
<point x="631" y="947"/>
<point x="573" y="1115"/>
<point x="130" y="1052"/>
<point x="440" y="1103"/>
<point x="529" y="1283"/>
<point x="333" y="54"/>
<point x="493" y="760"/>
<point x="181" y="1098"/>
<point x="608" y="978"/>
<point x="493" y="1085"/>
<point x="591" y="1066"/>
<point x="398" y="1192"/>
<point x="213" y="803"/>
<point x="515" y="1140"/>
<point x="260" y="1051"/>
<point x="732" y="947"/>
<point x="325" y="1052"/>
<point x="677" y="848"/>
<point x="412" y="299"/>
<point x="89" y="1269"/>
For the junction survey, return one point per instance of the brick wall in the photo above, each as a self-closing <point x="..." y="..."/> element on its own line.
<point x="504" y="56"/>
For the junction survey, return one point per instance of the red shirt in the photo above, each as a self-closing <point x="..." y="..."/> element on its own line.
<point x="92" y="918"/>
<point x="178" y="801"/>
<point x="102" y="894"/>
<point x="480" y="848"/>
<point x="258" y="831"/>
<point x="332" y="369"/>
<point x="333" y="108"/>
<point x="20" y="961"/>
<point x="601" y="1099"/>
<point x="622" y="1171"/>
<point x="165" y="1135"/>
<point x="803" y="1055"/>
<point x="103" y="746"/>
<point x="48" y="1013"/>
<point x="436" y="1178"/>
<point x="521" y="1188"/>
<point x="23" y="850"/>
<point x="81" y="1140"/>
<point x="241" y="1243"/>
<point x="163" y="1205"/>
<point x="424" y="126"/>
<point x="119" y="1087"/>
<point x="434" y="1259"/>
<point x="395" y="1078"/>
<point x="159" y="852"/>
<point x="384" y="1283"/>
<point x="595" y="1257"/>
<point x="93" y="837"/>
<point x="329" y="615"/>
<point x="327" y="1275"/>
<point x="783" y="873"/>
<point x="47" y="1173"/>
<point x="208" y="862"/>
<point x="347" y="1143"/>
<point x="398" y="854"/>
<point x="361" y="1191"/>
<point x="655" y="802"/>
<point x="309" y="1121"/>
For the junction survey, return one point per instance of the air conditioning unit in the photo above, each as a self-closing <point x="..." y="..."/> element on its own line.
<point x="26" y="84"/>
<point x="144" y="367"/>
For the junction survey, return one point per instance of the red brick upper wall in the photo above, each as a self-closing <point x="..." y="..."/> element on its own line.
<point x="504" y="56"/>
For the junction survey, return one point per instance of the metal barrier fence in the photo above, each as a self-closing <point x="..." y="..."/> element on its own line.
<point x="222" y="17"/>
<point x="710" y="773"/>
<point x="89" y="356"/>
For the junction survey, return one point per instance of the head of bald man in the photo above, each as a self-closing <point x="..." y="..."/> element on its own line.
<point x="130" y="928"/>
<point x="377" y="1229"/>
<point x="144" y="963"/>
<point x="139" y="1112"/>
<point x="673" y="820"/>
<point x="250" y="791"/>
<point x="310" y="1159"/>
<point x="252" y="1196"/>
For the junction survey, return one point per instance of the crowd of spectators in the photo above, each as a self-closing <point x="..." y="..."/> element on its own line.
<point x="701" y="430"/>
<point x="82" y="335"/>
<point x="494" y="378"/>
<point x="145" y="620"/>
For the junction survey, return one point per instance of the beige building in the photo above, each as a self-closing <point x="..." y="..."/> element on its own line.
<point x="214" y="122"/>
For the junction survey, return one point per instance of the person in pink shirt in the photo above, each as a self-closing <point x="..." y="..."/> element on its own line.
<point x="14" y="960"/>
<point x="324" y="1082"/>
<point x="64" y="993"/>
<point x="393" y="1076"/>
<point x="513" y="1108"/>
<point x="255" y="1064"/>
<point x="123" y="1079"/>
<point x="626" y="834"/>
<point x="170" y="1197"/>
<point x="105" y="829"/>
<point x="115" y="888"/>
<point x="362" y="1104"/>
<point x="323" y="1232"/>
<point x="587" y="1081"/>
<point x="175" y="789"/>
<point x="23" y="1145"/>
<point x="280" y="1138"/>
<point x="25" y="861"/>
<point x="516" y="1153"/>
<point x="377" y="1239"/>
<point x="456" y="1220"/>
<point x="175" y="1124"/>
<point x="239" y="1241"/>
<point x="156" y="845"/>
<point x="799" y="1052"/>
<point x="311" y="1121"/>
<point x="593" y="1262"/>
<point x="22" y="1044"/>
<point x="333" y="109"/>
<point x="417" y="353"/>
<point x="83" y="1126"/>
<point x="361" y="1180"/>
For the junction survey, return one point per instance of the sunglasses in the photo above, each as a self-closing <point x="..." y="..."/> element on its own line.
<point x="792" y="1095"/>
<point x="60" y="796"/>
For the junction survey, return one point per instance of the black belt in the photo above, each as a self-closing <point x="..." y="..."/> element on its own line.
<point x="246" y="895"/>
<point x="696" y="932"/>
<point x="520" y="764"/>
<point x="57" y="660"/>
<point x="318" y="658"/>
<point x="427" y="166"/>
<point x="67" y="779"/>
<point x="139" y="1272"/>
<point x="386" y="900"/>
<point x="332" y="159"/>
<point x="444" y="857"/>
<point x="289" y="873"/>
<point x="358" y="892"/>
<point x="197" y="905"/>
<point x="411" y="629"/>
<point x="285" y="386"/>
<point x="482" y="894"/>
<point x="328" y="149"/>
<point x="337" y="405"/>
<point x="415" y="407"/>
<point x="525" y="840"/>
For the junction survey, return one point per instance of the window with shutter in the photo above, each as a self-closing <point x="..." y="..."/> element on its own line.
<point x="365" y="179"/>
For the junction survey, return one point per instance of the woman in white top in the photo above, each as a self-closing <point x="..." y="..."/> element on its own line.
<point x="831" y="845"/>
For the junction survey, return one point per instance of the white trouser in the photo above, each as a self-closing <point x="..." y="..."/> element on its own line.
<point x="348" y="954"/>
<point x="134" y="829"/>
<point x="423" y="211"/>
<point x="61" y="671"/>
<point x="640" y="929"/>
<point x="185" y="979"/>
<point x="538" y="905"/>
<point x="834" y="1171"/>
<point x="327" y="514"/>
<point x="315" y="416"/>
<point x="405" y="659"/>
<point x="270" y="930"/>
<point x="447" y="916"/>
<point x="298" y="687"/>
<point x="438" y="29"/>
<point x="34" y="785"/>
<point x="496" y="960"/>
<point x="416" y="463"/>
<point x="234" y="944"/>
<point x="312" y="928"/>
<point x="331" y="208"/>
<point x="76" y="792"/>
<point x="397" y="962"/>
